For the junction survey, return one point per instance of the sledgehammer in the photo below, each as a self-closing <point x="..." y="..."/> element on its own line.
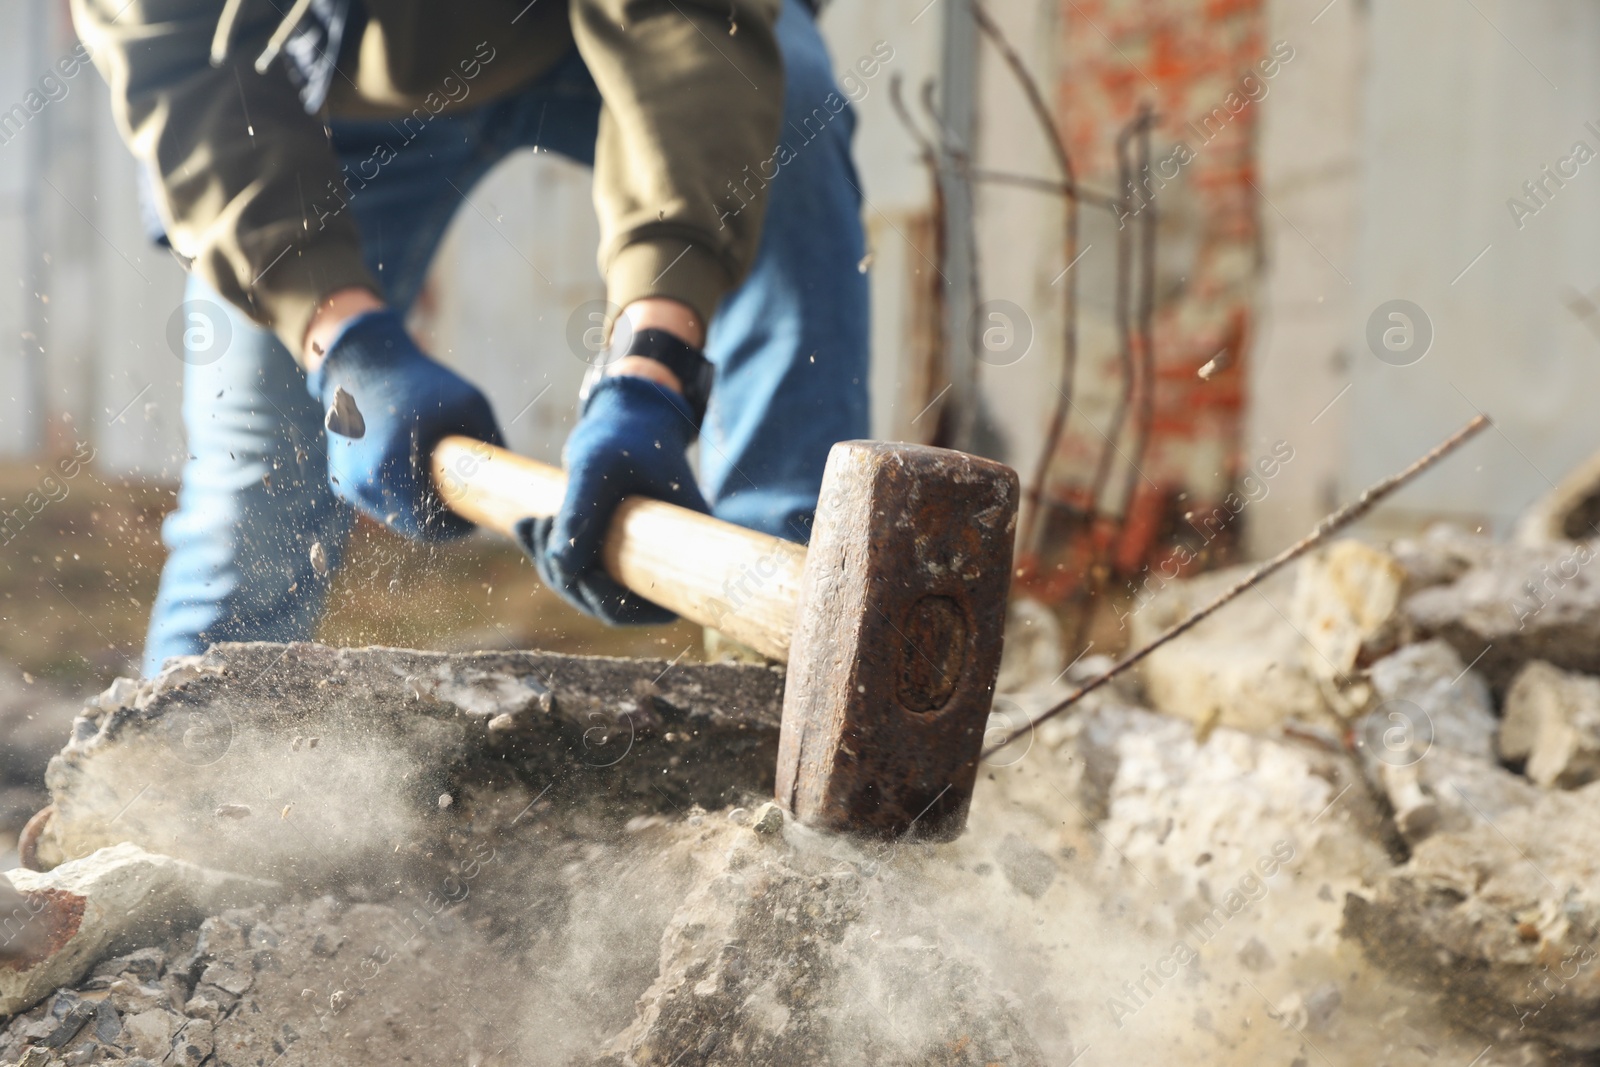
<point x="891" y="622"/>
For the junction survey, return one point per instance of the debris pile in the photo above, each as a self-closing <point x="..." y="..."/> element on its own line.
<point x="1349" y="819"/>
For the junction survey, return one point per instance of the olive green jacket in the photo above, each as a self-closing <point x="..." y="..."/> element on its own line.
<point x="251" y="193"/>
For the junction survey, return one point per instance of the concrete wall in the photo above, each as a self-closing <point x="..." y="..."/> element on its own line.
<point x="1310" y="177"/>
<point x="1393" y="160"/>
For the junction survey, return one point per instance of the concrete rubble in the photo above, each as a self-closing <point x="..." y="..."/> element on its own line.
<point x="84" y="909"/>
<point x="1351" y="819"/>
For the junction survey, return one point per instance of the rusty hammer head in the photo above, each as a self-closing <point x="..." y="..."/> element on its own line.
<point x="897" y="638"/>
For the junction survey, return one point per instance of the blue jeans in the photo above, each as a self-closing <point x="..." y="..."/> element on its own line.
<point x="789" y="346"/>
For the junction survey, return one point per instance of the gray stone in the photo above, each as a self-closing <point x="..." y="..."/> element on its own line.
<point x="1502" y="919"/>
<point x="1441" y="555"/>
<point x="1321" y="1004"/>
<point x="70" y="1023"/>
<point x="768" y="820"/>
<point x="226" y="977"/>
<point x="192" y="1044"/>
<point x="145" y="965"/>
<point x="1428" y="741"/>
<point x="1459" y="709"/>
<point x="1256" y="957"/>
<point x="1515" y="605"/>
<point x="107" y="1023"/>
<point x="150" y="1033"/>
<point x="1552" y="721"/>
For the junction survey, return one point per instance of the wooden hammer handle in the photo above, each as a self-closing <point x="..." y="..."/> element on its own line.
<point x="736" y="581"/>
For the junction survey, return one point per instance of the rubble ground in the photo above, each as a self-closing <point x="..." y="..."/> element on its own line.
<point x="1385" y="857"/>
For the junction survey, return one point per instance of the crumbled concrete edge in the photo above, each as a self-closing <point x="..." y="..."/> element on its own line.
<point x="648" y="733"/>
<point x="94" y="906"/>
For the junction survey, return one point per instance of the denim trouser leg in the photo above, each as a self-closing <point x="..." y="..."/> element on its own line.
<point x="790" y="346"/>
<point x="254" y="500"/>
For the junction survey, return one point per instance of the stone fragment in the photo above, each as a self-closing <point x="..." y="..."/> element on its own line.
<point x="131" y="995"/>
<point x="1162" y="798"/>
<point x="23" y="938"/>
<point x="107" y="1023"/>
<point x="69" y="1022"/>
<point x="768" y="820"/>
<point x="192" y="1044"/>
<point x="1552" y="721"/>
<point x="200" y="1007"/>
<point x="145" y="965"/>
<point x="1455" y="701"/>
<point x="1346" y="598"/>
<point x="1501" y="919"/>
<point x="227" y="977"/>
<point x="149" y="1033"/>
<point x="99" y="904"/>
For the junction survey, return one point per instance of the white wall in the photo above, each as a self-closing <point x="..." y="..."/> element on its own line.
<point x="1310" y="162"/>
<point x="1464" y="104"/>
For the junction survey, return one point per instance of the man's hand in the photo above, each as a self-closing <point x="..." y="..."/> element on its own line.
<point x="386" y="405"/>
<point x="630" y="440"/>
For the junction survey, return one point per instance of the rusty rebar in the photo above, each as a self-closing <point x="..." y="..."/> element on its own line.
<point x="1033" y="494"/>
<point x="1330" y="525"/>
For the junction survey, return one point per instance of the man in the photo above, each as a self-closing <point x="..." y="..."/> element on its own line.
<point x="305" y="161"/>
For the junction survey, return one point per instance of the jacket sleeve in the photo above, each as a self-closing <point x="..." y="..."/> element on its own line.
<point x="244" y="178"/>
<point x="693" y="99"/>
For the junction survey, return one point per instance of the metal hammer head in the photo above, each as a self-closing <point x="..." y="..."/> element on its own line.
<point x="897" y="639"/>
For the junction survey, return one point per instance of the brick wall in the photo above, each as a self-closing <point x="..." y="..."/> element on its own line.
<point x="1203" y="65"/>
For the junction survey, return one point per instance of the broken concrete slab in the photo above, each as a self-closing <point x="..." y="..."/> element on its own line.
<point x="1552" y="721"/>
<point x="1504" y="918"/>
<point x="1517" y="604"/>
<point x="1170" y="798"/>
<point x="768" y="961"/>
<point x="237" y="757"/>
<point x="1443" y="553"/>
<point x="1243" y="667"/>
<point x="1457" y="710"/>
<point x="93" y="906"/>
<point x="1428" y="743"/>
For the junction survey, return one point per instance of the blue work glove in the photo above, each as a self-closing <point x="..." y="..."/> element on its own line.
<point x="629" y="441"/>
<point x="386" y="406"/>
